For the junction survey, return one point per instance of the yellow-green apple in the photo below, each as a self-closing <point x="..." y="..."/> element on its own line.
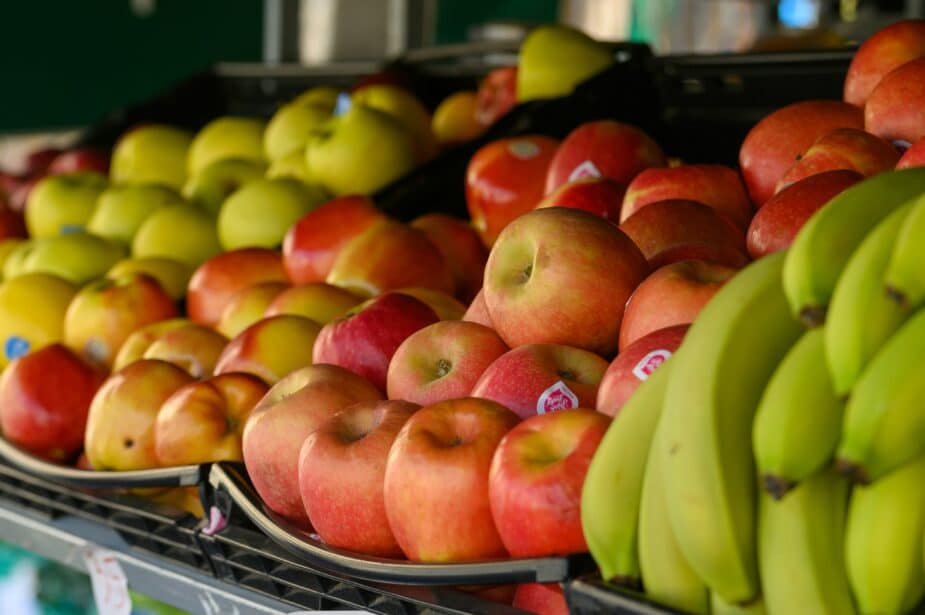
<point x="713" y="185"/>
<point x="497" y="95"/>
<point x="436" y="481"/>
<point x="542" y="378"/>
<point x="360" y="151"/>
<point x="15" y="262"/>
<point x="660" y="229"/>
<point x="462" y="250"/>
<point x="203" y="421"/>
<point x="44" y="400"/>
<point x="402" y="105"/>
<point x="914" y="156"/>
<point x="80" y="159"/>
<point x="292" y="165"/>
<point x="891" y="111"/>
<point x="454" y="119"/>
<point x="365" y="340"/>
<point x="671" y="295"/>
<point x="277" y="427"/>
<point x="504" y="179"/>
<point x="442" y="361"/>
<point x="259" y="213"/>
<point x="553" y="59"/>
<point x="32" y="309"/>
<point x="312" y="243"/>
<point x="843" y="148"/>
<point x="323" y="96"/>
<point x="247" y="306"/>
<point x="105" y="312"/>
<point x="226" y="137"/>
<point x="191" y="347"/>
<point x="151" y="154"/>
<point x="77" y="257"/>
<point x="121" y="209"/>
<point x="603" y="148"/>
<point x="209" y="188"/>
<point x="537" y="473"/>
<point x="182" y="232"/>
<point x="7" y="247"/>
<point x="172" y="275"/>
<point x="772" y="145"/>
<point x="635" y="364"/>
<point x="776" y="224"/>
<point x="217" y="280"/>
<point x="541" y="599"/>
<point x="887" y="49"/>
<point x="271" y="347"/>
<point x="136" y="344"/>
<point x="317" y="300"/>
<point x="290" y="127"/>
<point x="120" y="424"/>
<point x="62" y="204"/>
<point x="598" y="195"/>
<point x="478" y="312"/>
<point x="561" y="276"/>
<point x="342" y="472"/>
<point x="389" y="255"/>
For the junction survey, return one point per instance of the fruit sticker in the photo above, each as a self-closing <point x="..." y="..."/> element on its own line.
<point x="556" y="397"/>
<point x="524" y="149"/>
<point x="110" y="587"/>
<point x="585" y="169"/>
<point x="15" y="347"/>
<point x="650" y="363"/>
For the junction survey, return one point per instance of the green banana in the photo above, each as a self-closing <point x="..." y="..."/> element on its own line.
<point x="825" y="243"/>
<point x="884" y="424"/>
<point x="717" y="379"/>
<point x="718" y="606"/>
<point x="883" y="541"/>
<point x="801" y="548"/>
<point x="799" y="419"/>
<point x="905" y="276"/>
<point x="613" y="483"/>
<point x="861" y="316"/>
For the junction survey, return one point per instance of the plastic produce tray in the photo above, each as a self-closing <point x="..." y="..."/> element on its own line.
<point x="589" y="595"/>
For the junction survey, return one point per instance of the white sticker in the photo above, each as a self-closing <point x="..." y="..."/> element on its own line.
<point x="585" y="169"/>
<point x="556" y="397"/>
<point x="650" y="363"/>
<point x="110" y="587"/>
<point x="524" y="149"/>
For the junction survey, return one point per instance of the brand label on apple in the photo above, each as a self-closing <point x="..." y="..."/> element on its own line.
<point x="15" y="347"/>
<point x="523" y="149"/>
<point x="556" y="397"/>
<point x="650" y="363"/>
<point x="585" y="169"/>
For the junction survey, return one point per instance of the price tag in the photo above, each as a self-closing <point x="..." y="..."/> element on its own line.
<point x="110" y="587"/>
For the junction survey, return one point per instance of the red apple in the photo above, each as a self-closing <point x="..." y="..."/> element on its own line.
<point x="773" y="144"/>
<point x="843" y="148"/>
<point x="497" y="95"/>
<point x="504" y="179"/>
<point x="9" y="183"/>
<point x="365" y="340"/>
<point x="37" y="162"/>
<point x="561" y="276"/>
<point x="478" y="311"/>
<point x="270" y="348"/>
<point x="436" y="481"/>
<point x="537" y="473"/>
<point x="462" y="250"/>
<point x="442" y="361"/>
<point x="541" y="599"/>
<point x="914" y="156"/>
<point x="342" y="473"/>
<point x="887" y="49"/>
<point x="598" y="195"/>
<point x="777" y="223"/>
<point x="894" y="109"/>
<point x="634" y="364"/>
<point x="80" y="159"/>
<point x="603" y="148"/>
<point x="12" y="224"/>
<point x="44" y="400"/>
<point x="19" y="197"/>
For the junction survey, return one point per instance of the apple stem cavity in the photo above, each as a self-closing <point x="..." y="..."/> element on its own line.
<point x="443" y="368"/>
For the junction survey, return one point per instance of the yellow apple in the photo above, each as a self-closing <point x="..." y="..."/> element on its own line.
<point x="291" y="165"/>
<point x="155" y="154"/>
<point x="135" y="346"/>
<point x="404" y="107"/>
<point x="260" y="213"/>
<point x="247" y="306"/>
<point x="226" y="137"/>
<point x="171" y="274"/>
<point x="61" y="204"/>
<point x="121" y="210"/>
<point x="554" y="59"/>
<point x="209" y="188"/>
<point x="454" y="119"/>
<point x="7" y="248"/>
<point x="320" y="96"/>
<point x="289" y="128"/>
<point x="192" y="347"/>
<point x="78" y="257"/>
<point x="181" y="232"/>
<point x="319" y="301"/>
<point x="32" y="309"/>
<point x="15" y="262"/>
<point x="271" y="348"/>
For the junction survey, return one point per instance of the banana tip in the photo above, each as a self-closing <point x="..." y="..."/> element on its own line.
<point x="853" y="471"/>
<point x="898" y="296"/>
<point x="777" y="486"/>
<point x="813" y="316"/>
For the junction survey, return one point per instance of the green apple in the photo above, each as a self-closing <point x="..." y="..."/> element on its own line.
<point x="60" y="204"/>
<point x="323" y="96"/>
<point x="15" y="261"/>
<point x="151" y="154"/>
<point x="290" y="127"/>
<point x="209" y="188"/>
<point x="260" y="213"/>
<point x="291" y="165"/>
<point x="226" y="137"/>
<point x="172" y="275"/>
<point x="78" y="257"/>
<point x="360" y="151"/>
<point x="120" y="210"/>
<point x="181" y="232"/>
<point x="554" y="59"/>
<point x="8" y="247"/>
<point x="404" y="107"/>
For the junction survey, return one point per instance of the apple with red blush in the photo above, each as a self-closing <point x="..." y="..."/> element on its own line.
<point x="597" y="195"/>
<point x="843" y="148"/>
<point x="887" y="49"/>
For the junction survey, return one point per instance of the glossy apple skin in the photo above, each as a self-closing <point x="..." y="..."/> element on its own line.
<point x="342" y="473"/>
<point x="47" y="416"/>
<point x="893" y="110"/>
<point x="312" y="244"/>
<point x="247" y="306"/>
<point x="616" y="150"/>
<point x="504" y="179"/>
<point x="216" y="281"/>
<point x="597" y="195"/>
<point x="773" y="144"/>
<point x="319" y="301"/>
<point x="365" y="340"/>
<point x="541" y="599"/>
<point x="777" y="223"/>
<point x="442" y="361"/>
<point x="887" y="49"/>
<point x="478" y="311"/>
<point x="80" y="159"/>
<point x="436" y="481"/>
<point x="914" y="156"/>
<point x="454" y="119"/>
<point x="271" y="348"/>
<point x="525" y="379"/>
<point x="573" y="292"/>
<point x="462" y="250"/>
<point x="497" y="94"/>
<point x="713" y="185"/>
<point x="635" y="364"/>
<point x="277" y="427"/>
<point x="191" y="347"/>
<point x="537" y="473"/>
<point x="671" y="295"/>
<point x="135" y="345"/>
<point x="843" y="148"/>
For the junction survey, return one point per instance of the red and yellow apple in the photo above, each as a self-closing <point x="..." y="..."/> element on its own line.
<point x="190" y="347"/>
<point x="497" y="94"/>
<point x="462" y="250"/>
<point x="270" y="348"/>
<point x="319" y="301"/>
<point x="598" y="195"/>
<point x="887" y="49"/>
<point x="541" y="599"/>
<point x="247" y="306"/>
<point x="892" y="110"/>
<point x="454" y="119"/>
<point x="478" y="311"/>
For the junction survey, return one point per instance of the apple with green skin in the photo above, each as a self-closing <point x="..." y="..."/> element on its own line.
<point x="247" y="306"/>
<point x="497" y="94"/>
<point x="47" y="416"/>
<point x="436" y="481"/>
<point x="914" y="156"/>
<point x="402" y="105"/>
<point x="172" y="275"/>
<point x="32" y="309"/>
<point x="151" y="154"/>
<point x="323" y="96"/>
<point x="293" y="166"/>
<point x="77" y="257"/>
<point x="887" y="49"/>
<point x="289" y="128"/>
<point x="62" y="204"/>
<point x="478" y="311"/>
<point x="342" y="472"/>
<point x="121" y="210"/>
<point x="553" y="59"/>
<point x="891" y="111"/>
<point x="138" y="342"/>
<point x="80" y="159"/>
<point x="277" y="427"/>
<point x="182" y="232"/>
<point x="209" y="188"/>
<point x="462" y="250"/>
<point x="542" y="378"/>
<point x="226" y="137"/>
<point x="203" y="421"/>
<point x="259" y="213"/>
<point x="317" y="300"/>
<point x="271" y="347"/>
<point x="598" y="195"/>
<point x="541" y="599"/>
<point x="561" y="276"/>
<point x="15" y="261"/>
<point x="191" y="347"/>
<point x="7" y="247"/>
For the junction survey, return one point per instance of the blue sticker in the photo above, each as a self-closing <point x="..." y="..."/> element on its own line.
<point x="343" y="104"/>
<point x="71" y="229"/>
<point x="15" y="347"/>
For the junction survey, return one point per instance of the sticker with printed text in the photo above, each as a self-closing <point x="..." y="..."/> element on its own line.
<point x="650" y="363"/>
<point x="110" y="587"/>
<point x="524" y="149"/>
<point x="585" y="169"/>
<point x="556" y="397"/>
